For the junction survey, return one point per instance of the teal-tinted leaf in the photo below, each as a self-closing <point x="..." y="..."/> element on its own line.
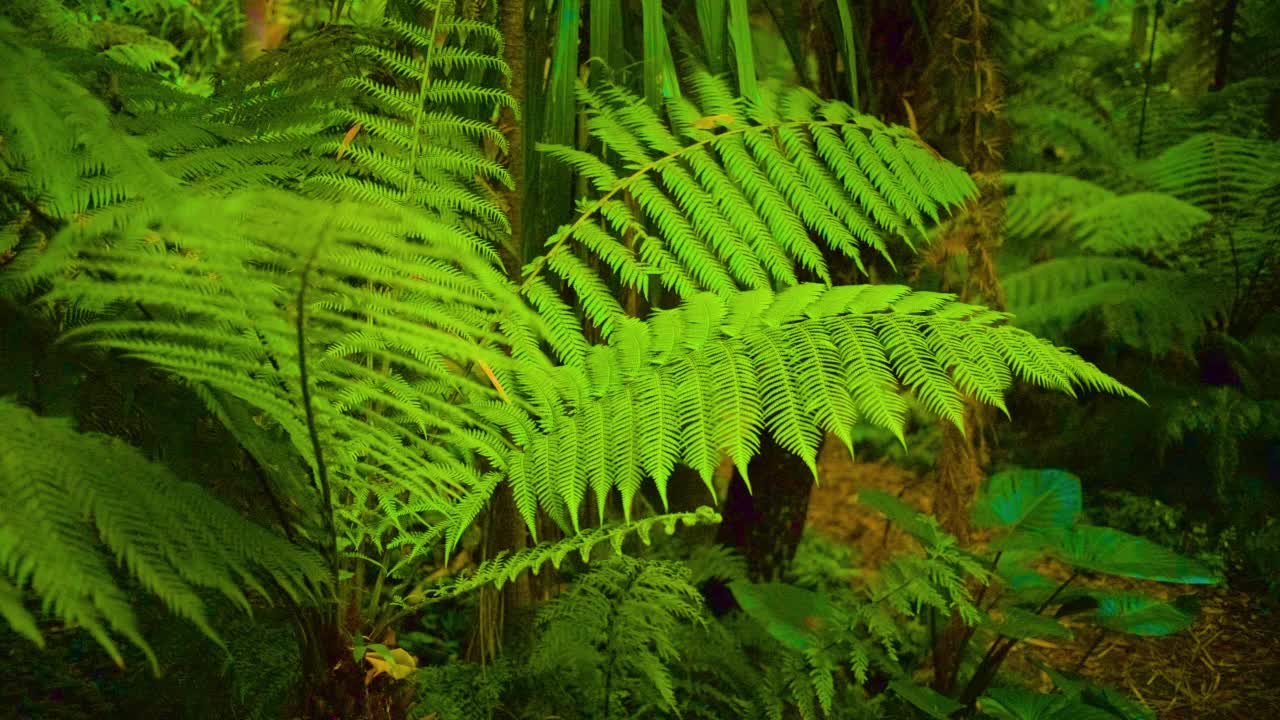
<point x="790" y="614"/>
<point x="1142" y="615"/>
<point x="926" y="700"/>
<point x="1021" y="624"/>
<point x="1118" y="703"/>
<point x="914" y="523"/>
<point x="1023" y="704"/>
<point x="1118" y="553"/>
<point x="1033" y="501"/>
<point x="1014" y="567"/>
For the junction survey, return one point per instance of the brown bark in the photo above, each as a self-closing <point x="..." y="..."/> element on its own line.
<point x="766" y="523"/>
<point x="1227" y="26"/>
<point x="964" y="93"/>
<point x="505" y="529"/>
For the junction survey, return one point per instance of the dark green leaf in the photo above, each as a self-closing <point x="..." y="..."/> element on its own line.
<point x="1023" y="704"/>
<point x="1118" y="553"/>
<point x="914" y="523"/>
<point x="926" y="700"/>
<point x="1022" y="624"/>
<point x="1142" y="615"/>
<point x="1032" y="501"/>
<point x="790" y="614"/>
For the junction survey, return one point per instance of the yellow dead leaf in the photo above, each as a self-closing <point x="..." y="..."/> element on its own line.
<point x="348" y="138"/>
<point x="402" y="665"/>
<point x="493" y="379"/>
<point x="911" y="117"/>
<point x="711" y="122"/>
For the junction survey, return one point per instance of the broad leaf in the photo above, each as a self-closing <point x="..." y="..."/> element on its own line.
<point x="913" y="522"/>
<point x="789" y="613"/>
<point x="1023" y="624"/>
<point x="1023" y="704"/>
<point x="1014" y="567"/>
<point x="1142" y="615"/>
<point x="1118" y="703"/>
<point x="926" y="700"/>
<point x="1031" y="501"/>
<point x="1118" y="553"/>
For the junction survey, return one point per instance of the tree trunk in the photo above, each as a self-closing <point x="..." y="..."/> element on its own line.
<point x="962" y="92"/>
<point x="504" y="528"/>
<point x="766" y="525"/>
<point x="1227" y="27"/>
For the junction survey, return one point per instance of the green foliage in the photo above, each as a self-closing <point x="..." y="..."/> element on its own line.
<point x="1035" y="515"/>
<point x="821" y="564"/>
<point x="507" y="567"/>
<point x="1021" y="704"/>
<point x="458" y="691"/>
<point x="316" y="251"/>
<point x="739" y="203"/>
<point x="172" y="537"/>
<point x="862" y="629"/>
<point x="611" y="633"/>
<point x="788" y="613"/>
<point x="1029" y="501"/>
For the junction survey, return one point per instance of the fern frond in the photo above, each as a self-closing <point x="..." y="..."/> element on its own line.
<point x="506" y="567"/>
<point x="736" y="209"/>
<point x="414" y="145"/>
<point x="619" y="623"/>
<point x="1149" y="308"/>
<point x="387" y="321"/>
<point x="170" y="536"/>
<point x="1064" y="212"/>
<point x="1213" y="171"/>
<point x="808" y="360"/>
<point x="65" y="140"/>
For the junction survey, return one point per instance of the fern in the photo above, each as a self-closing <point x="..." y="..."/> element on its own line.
<point x="847" y="351"/>
<point x="361" y="311"/>
<point x="1213" y="171"/>
<point x="739" y="208"/>
<point x="1141" y="305"/>
<point x="1160" y="268"/>
<point x="406" y="143"/>
<point x="171" y="537"/>
<point x="507" y="567"/>
<point x="614" y="630"/>
<point x="62" y="146"/>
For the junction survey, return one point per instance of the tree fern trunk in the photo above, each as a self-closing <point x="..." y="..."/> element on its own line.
<point x="766" y="525"/>
<point x="961" y="93"/>
<point x="504" y="528"/>
<point x="1226" y="26"/>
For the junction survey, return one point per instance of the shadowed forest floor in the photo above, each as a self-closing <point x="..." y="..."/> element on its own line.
<point x="1223" y="668"/>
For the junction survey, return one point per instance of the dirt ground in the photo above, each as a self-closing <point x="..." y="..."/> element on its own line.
<point x="1225" y="667"/>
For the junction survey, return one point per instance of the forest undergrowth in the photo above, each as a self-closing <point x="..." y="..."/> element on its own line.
<point x="506" y="359"/>
<point x="1222" y="667"/>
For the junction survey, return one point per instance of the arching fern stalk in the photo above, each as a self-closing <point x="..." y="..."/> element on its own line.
<point x="725" y="195"/>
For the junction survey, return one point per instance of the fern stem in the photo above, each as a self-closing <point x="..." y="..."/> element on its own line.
<point x="418" y="113"/>
<point x="999" y="650"/>
<point x="1146" y="86"/>
<point x="322" y="473"/>
<point x="1089" y="651"/>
